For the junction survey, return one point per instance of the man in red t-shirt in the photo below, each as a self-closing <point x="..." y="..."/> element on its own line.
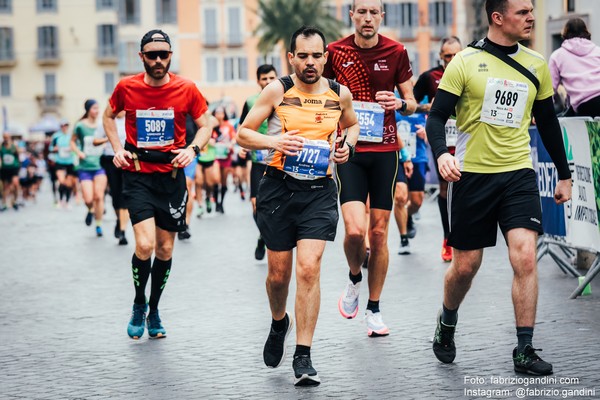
<point x="156" y="103"/>
<point x="371" y="66"/>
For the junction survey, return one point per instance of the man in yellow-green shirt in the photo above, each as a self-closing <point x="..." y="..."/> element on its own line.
<point x="492" y="181"/>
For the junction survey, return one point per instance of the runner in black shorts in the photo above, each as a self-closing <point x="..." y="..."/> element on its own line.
<point x="372" y="66"/>
<point x="492" y="181"/>
<point x="296" y="201"/>
<point x="156" y="104"/>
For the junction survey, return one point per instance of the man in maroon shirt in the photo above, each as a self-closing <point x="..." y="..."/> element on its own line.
<point x="371" y="66"/>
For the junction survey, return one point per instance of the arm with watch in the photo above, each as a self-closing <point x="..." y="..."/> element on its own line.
<point x="186" y="155"/>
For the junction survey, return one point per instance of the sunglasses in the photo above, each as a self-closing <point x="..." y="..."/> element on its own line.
<point x="448" y="57"/>
<point x="153" y="55"/>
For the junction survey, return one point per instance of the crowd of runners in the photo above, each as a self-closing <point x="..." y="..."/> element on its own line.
<point x="350" y="130"/>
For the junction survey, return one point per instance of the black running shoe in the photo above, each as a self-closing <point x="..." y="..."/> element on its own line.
<point x="443" y="341"/>
<point x="304" y="373"/>
<point x="259" y="252"/>
<point x="528" y="362"/>
<point x="88" y="218"/>
<point x="117" y="232"/>
<point x="184" y="235"/>
<point x="365" y="263"/>
<point x="274" y="351"/>
<point x="122" y="239"/>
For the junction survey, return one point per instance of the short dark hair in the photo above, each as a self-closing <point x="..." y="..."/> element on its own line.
<point x="264" y="69"/>
<point x="449" y="40"/>
<point x="492" y="6"/>
<point x="576" y="28"/>
<point x="148" y="37"/>
<point x="305" y="31"/>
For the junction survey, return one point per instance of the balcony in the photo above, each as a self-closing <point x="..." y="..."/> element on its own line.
<point x="48" y="56"/>
<point x="7" y="58"/>
<point x="49" y="103"/>
<point x="107" y="55"/>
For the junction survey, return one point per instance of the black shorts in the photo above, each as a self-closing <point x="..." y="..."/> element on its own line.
<point x="206" y="164"/>
<point x="478" y="203"/>
<point x="369" y="174"/>
<point x="256" y="173"/>
<point x="69" y="168"/>
<point x="288" y="210"/>
<point x="416" y="182"/>
<point x="156" y="195"/>
<point x="7" y="174"/>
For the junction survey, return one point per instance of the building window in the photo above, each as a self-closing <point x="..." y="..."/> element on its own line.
<point x="166" y="11"/>
<point x="5" y="85"/>
<point x="47" y="5"/>
<point x="5" y="6"/>
<point x="235" y="69"/>
<point x="234" y="20"/>
<point x="129" y="60"/>
<point x="273" y="59"/>
<point x="212" y="69"/>
<point x="47" y="42"/>
<point x="440" y="17"/>
<point x="414" y="63"/>
<point x="109" y="82"/>
<point x="346" y="15"/>
<point x="211" y="35"/>
<point x="129" y="12"/>
<point x="570" y="5"/>
<point x="49" y="84"/>
<point x="105" y="5"/>
<point x="7" y="46"/>
<point x="107" y="44"/>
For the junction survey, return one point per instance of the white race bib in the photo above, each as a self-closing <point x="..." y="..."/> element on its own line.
<point x="89" y="149"/>
<point x="504" y="102"/>
<point x="409" y="138"/>
<point x="451" y="133"/>
<point x="370" y="119"/>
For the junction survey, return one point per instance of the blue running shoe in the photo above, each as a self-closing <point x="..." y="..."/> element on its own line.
<point x="135" y="329"/>
<point x="155" y="328"/>
<point x="99" y="231"/>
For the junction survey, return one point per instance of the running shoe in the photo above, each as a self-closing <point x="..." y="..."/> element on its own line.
<point x="3" y="208"/>
<point x="528" y="362"/>
<point x="446" y="251"/>
<point x="404" y="246"/>
<point x="443" y="341"/>
<point x="122" y="239"/>
<point x="16" y="207"/>
<point x="200" y="212"/>
<point x="208" y="206"/>
<point x="274" y="351"/>
<point x="99" y="231"/>
<point x="375" y="325"/>
<point x="184" y="235"/>
<point x="243" y="195"/>
<point x="411" y="230"/>
<point x="135" y="329"/>
<point x="219" y="208"/>
<point x="365" y="263"/>
<point x="348" y="302"/>
<point x="259" y="252"/>
<point x="155" y="328"/>
<point x="88" y="218"/>
<point x="304" y="373"/>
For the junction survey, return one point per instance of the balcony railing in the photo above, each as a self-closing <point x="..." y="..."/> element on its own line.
<point x="107" y="54"/>
<point x="7" y="58"/>
<point x="235" y="39"/>
<point x="49" y="102"/>
<point x="48" y="56"/>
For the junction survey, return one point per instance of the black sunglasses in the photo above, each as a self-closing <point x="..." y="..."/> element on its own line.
<point x="153" y="55"/>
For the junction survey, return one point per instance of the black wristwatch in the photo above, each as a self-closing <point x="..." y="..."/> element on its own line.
<point x="404" y="105"/>
<point x="196" y="149"/>
<point x="351" y="148"/>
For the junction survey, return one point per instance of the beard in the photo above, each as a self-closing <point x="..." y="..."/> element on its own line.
<point x="153" y="71"/>
<point x="308" y="80"/>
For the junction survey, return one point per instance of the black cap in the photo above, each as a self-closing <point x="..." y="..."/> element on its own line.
<point x="148" y="37"/>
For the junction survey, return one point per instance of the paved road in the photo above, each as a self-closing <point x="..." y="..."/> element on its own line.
<point x="66" y="297"/>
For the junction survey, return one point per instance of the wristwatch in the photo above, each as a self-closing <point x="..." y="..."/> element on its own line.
<point x="404" y="105"/>
<point x="196" y="149"/>
<point x="351" y="148"/>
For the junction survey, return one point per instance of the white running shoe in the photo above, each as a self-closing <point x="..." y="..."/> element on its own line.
<point x="404" y="247"/>
<point x="348" y="303"/>
<point x="375" y="325"/>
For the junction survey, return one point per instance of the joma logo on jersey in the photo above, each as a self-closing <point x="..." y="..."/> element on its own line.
<point x="312" y="101"/>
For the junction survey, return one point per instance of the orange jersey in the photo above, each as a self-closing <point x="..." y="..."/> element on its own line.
<point x="315" y="116"/>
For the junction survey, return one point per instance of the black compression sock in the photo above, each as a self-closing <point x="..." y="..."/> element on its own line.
<point x="141" y="273"/>
<point x="449" y="317"/>
<point x="355" y="278"/>
<point x="216" y="193"/>
<point x="373" y="306"/>
<point x="525" y="337"/>
<point x="302" y="350"/>
<point x="160" y="274"/>
<point x="279" y="326"/>
<point x="443" y="205"/>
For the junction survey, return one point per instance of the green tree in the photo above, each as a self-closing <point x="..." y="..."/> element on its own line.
<point x="279" y="19"/>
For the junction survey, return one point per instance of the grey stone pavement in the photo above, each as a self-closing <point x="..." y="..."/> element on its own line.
<point x="66" y="297"/>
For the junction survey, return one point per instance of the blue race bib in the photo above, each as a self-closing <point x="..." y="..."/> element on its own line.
<point x="311" y="163"/>
<point x="370" y="119"/>
<point x="155" y="128"/>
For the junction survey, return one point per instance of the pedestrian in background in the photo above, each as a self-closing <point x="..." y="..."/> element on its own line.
<point x="576" y="66"/>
